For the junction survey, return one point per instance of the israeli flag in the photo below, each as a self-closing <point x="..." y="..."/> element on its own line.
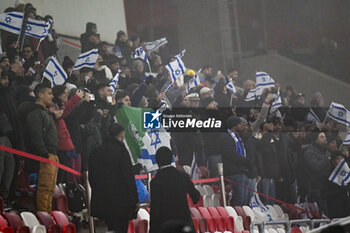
<point x="176" y="69"/>
<point x="231" y="87"/>
<point x="140" y="53"/>
<point x="151" y="46"/>
<point x="180" y="55"/>
<point x="341" y="174"/>
<point x="87" y="59"/>
<point x="263" y="80"/>
<point x="347" y="139"/>
<point x="277" y="103"/>
<point x="194" y="169"/>
<point x="55" y="73"/>
<point x="339" y="113"/>
<point x="38" y="28"/>
<point x="113" y="84"/>
<point x="11" y="22"/>
<point x="195" y="82"/>
<point x="312" y="117"/>
<point x="251" y="95"/>
<point x="258" y="206"/>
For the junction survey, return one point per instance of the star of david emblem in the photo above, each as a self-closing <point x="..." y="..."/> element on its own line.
<point x="8" y="19"/>
<point x="154" y="140"/>
<point x="177" y="72"/>
<point x="264" y="79"/>
<point x="340" y="114"/>
<point x="28" y="28"/>
<point x="55" y="74"/>
<point x="343" y="173"/>
<point x="87" y="59"/>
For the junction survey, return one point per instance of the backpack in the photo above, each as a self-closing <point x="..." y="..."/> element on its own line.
<point x="76" y="196"/>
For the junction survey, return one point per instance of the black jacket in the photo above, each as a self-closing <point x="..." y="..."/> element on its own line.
<point x="317" y="162"/>
<point x="268" y="147"/>
<point x="8" y="108"/>
<point x="234" y="164"/>
<point x="169" y="191"/>
<point x="114" y="193"/>
<point x="255" y="162"/>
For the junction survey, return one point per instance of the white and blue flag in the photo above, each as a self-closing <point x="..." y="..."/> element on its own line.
<point x="251" y="95"/>
<point x="194" y="82"/>
<point x="87" y="59"/>
<point x="277" y="103"/>
<point x="113" y="84"/>
<point x="151" y="46"/>
<point x="339" y="113"/>
<point x="55" y="73"/>
<point x="258" y="206"/>
<point x="347" y="139"/>
<point x="194" y="169"/>
<point x="176" y="69"/>
<point x="180" y="55"/>
<point x="263" y="80"/>
<point x="12" y="22"/>
<point x="231" y="87"/>
<point x="38" y="28"/>
<point x="312" y="117"/>
<point x="341" y="174"/>
<point x="140" y="53"/>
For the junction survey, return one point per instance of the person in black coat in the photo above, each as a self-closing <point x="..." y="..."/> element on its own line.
<point x="317" y="159"/>
<point x="114" y="194"/>
<point x="169" y="191"/>
<point x="338" y="199"/>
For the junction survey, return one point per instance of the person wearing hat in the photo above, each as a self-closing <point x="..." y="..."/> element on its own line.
<point x="235" y="160"/>
<point x="169" y="189"/>
<point x="205" y="92"/>
<point x="193" y="99"/>
<point x="299" y="108"/>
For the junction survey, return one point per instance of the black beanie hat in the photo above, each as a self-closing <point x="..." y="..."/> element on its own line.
<point x="164" y="156"/>
<point x="67" y="62"/>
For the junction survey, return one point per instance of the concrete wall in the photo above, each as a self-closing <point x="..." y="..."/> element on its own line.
<point x="71" y="16"/>
<point x="199" y="33"/>
<point x="302" y="78"/>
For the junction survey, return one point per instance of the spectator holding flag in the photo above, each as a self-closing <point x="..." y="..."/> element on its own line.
<point x="338" y="199"/>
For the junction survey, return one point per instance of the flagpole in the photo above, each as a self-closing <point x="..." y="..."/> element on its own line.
<point x="167" y="88"/>
<point x="38" y="45"/>
<point x="231" y="100"/>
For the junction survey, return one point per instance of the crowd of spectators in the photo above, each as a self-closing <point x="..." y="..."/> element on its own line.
<point x="281" y="153"/>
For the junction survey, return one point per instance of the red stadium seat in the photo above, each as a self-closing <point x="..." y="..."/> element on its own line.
<point x="216" y="189"/>
<point x="16" y="223"/>
<point x="3" y="226"/>
<point x="200" y="202"/>
<point x="212" y="223"/>
<point x="141" y="225"/>
<point x="229" y="221"/>
<point x="220" y="221"/>
<point x="60" y="203"/>
<point x="295" y="230"/>
<point x="62" y="220"/>
<point x="46" y="219"/>
<point x="131" y="228"/>
<point x="246" y="219"/>
<point x="202" y="223"/>
<point x="22" y="182"/>
<point x="195" y="224"/>
<point x="189" y="201"/>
